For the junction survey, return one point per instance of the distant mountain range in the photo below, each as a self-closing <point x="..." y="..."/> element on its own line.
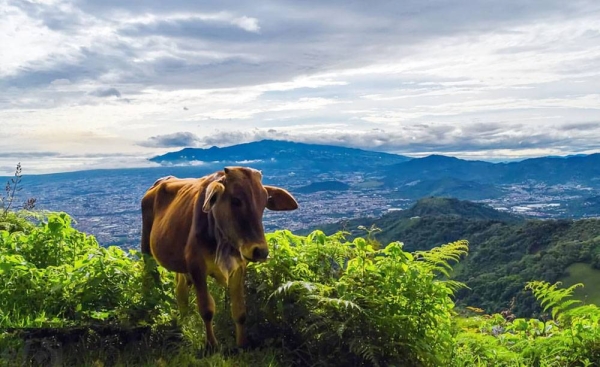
<point x="545" y="187"/>
<point x="397" y="170"/>
<point x="580" y="169"/>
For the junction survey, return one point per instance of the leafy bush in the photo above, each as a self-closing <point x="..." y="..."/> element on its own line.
<point x="332" y="302"/>
<point x="17" y="222"/>
<point x="54" y="274"/>
<point x="569" y="336"/>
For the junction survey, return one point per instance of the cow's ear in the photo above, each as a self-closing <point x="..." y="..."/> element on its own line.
<point x="213" y="191"/>
<point x="279" y="199"/>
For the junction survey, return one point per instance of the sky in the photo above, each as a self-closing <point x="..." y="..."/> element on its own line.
<point x="105" y="83"/>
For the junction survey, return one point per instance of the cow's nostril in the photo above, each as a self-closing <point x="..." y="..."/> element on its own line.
<point x="260" y="253"/>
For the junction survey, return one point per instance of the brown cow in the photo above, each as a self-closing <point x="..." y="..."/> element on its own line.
<point x="210" y="226"/>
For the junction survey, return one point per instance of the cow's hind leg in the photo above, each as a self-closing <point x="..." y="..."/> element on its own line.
<point x="238" y="305"/>
<point x="206" y="303"/>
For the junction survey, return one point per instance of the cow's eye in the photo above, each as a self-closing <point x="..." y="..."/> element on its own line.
<point x="236" y="202"/>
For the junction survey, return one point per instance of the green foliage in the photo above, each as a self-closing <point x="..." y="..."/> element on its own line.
<point x="55" y="275"/>
<point x="16" y="222"/>
<point x="570" y="338"/>
<point x="331" y="301"/>
<point x="551" y="297"/>
<point x="319" y="300"/>
<point x="506" y="257"/>
<point x="120" y="348"/>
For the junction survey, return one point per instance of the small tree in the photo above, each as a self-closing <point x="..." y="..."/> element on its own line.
<point x="11" y="189"/>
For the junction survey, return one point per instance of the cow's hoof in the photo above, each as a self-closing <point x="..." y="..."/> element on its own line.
<point x="208" y="350"/>
<point x="234" y="351"/>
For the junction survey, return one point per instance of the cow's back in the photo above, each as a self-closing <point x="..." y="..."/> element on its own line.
<point x="167" y="213"/>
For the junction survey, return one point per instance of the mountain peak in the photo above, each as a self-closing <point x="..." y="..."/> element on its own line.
<point x="439" y="157"/>
<point x="285" y="153"/>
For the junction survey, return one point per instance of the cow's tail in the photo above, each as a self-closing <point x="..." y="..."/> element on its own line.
<point x="150" y="265"/>
<point x="147" y="219"/>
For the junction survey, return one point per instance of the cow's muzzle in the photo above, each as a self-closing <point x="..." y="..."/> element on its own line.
<point x="260" y="253"/>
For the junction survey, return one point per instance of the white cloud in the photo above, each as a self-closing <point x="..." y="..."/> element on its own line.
<point x="247" y="23"/>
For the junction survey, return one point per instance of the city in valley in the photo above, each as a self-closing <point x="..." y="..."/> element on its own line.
<point x="106" y="203"/>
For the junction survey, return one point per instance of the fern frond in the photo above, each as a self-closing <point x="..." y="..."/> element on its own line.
<point x="455" y="285"/>
<point x="335" y="302"/>
<point x="590" y="311"/>
<point x="364" y="350"/>
<point x="438" y="258"/>
<point x="553" y="298"/>
<point x="289" y="286"/>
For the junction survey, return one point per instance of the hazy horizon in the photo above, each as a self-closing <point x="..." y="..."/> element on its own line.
<point x="103" y="163"/>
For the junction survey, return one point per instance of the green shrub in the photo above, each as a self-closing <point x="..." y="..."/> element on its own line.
<point x="571" y="337"/>
<point x="54" y="274"/>
<point x="16" y="222"/>
<point x="332" y="302"/>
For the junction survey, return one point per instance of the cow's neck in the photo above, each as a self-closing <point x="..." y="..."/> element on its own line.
<point x="211" y="235"/>
<point x="226" y="256"/>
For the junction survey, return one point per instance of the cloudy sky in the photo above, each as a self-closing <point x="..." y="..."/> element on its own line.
<point x="106" y="83"/>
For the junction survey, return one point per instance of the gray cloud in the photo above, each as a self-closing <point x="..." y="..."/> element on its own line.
<point x="582" y="126"/>
<point x="224" y="138"/>
<point x="106" y="92"/>
<point x="90" y="64"/>
<point x="294" y="39"/>
<point x="53" y="17"/>
<point x="19" y="155"/>
<point x="179" y="139"/>
<point x="425" y="138"/>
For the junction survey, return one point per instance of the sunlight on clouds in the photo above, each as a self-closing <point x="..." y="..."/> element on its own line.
<point x="248" y="24"/>
<point x="309" y="104"/>
<point x="399" y="116"/>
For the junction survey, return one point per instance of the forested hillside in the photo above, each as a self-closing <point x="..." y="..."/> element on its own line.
<point x="506" y="251"/>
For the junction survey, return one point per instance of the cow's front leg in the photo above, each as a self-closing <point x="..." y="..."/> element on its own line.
<point x="206" y="303"/>
<point x="182" y="292"/>
<point x="238" y="305"/>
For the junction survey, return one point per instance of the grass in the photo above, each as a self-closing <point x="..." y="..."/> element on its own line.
<point x="100" y="347"/>
<point x="584" y="273"/>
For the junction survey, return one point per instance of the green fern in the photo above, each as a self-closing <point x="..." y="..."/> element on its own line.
<point x="553" y="298"/>
<point x="367" y="352"/>
<point x="438" y="258"/>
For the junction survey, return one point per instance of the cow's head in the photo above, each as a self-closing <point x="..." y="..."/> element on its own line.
<point x="237" y="201"/>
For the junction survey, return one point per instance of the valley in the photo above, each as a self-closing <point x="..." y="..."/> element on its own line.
<point x="330" y="183"/>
